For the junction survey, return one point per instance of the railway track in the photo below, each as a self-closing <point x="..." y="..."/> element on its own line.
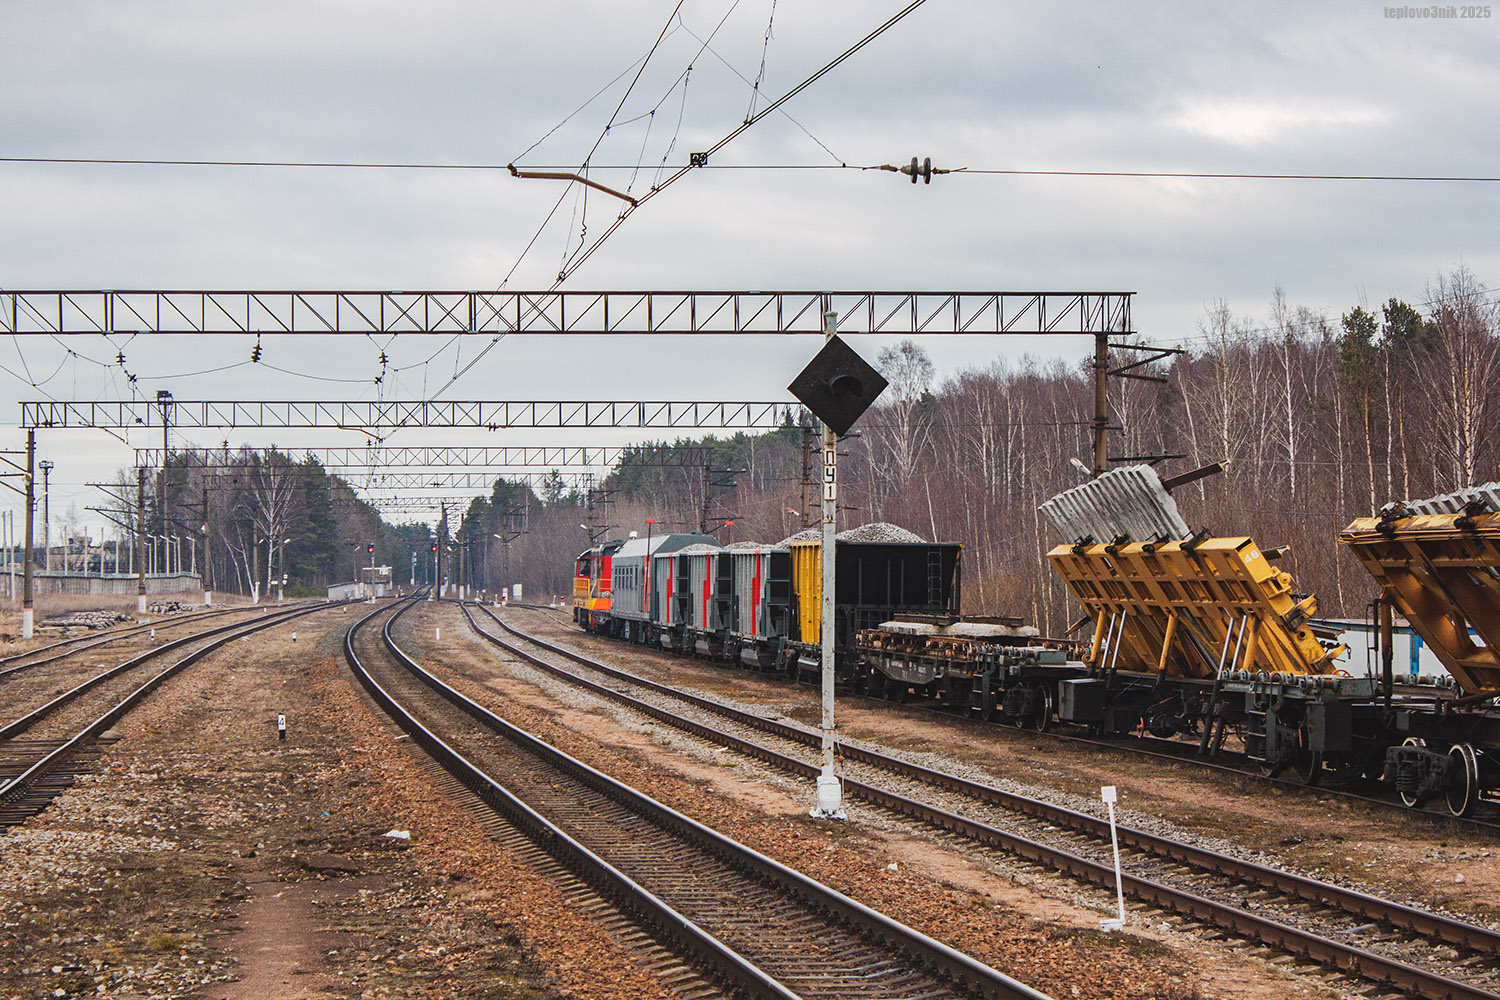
<point x="13" y="664"/>
<point x="1383" y="942"/>
<point x="759" y="927"/>
<point x="1235" y="764"/>
<point x="1228" y="763"/>
<point x="36" y="770"/>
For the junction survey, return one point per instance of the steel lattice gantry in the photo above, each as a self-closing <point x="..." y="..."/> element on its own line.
<point x="496" y="458"/>
<point x="894" y="313"/>
<point x="484" y="415"/>
<point x="430" y="480"/>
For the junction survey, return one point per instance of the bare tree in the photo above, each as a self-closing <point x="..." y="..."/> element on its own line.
<point x="903" y="428"/>
<point x="1460" y="375"/>
<point x="272" y="492"/>
<point x="1281" y="318"/>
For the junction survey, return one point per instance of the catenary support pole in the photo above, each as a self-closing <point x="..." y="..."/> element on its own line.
<point x="208" y="555"/>
<point x="829" y="803"/>
<point x="164" y="398"/>
<point x="1101" y="403"/>
<point x="28" y="620"/>
<point x="46" y="468"/>
<point x="140" y="540"/>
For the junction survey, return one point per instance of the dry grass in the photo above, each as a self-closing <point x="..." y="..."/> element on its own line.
<point x="161" y="941"/>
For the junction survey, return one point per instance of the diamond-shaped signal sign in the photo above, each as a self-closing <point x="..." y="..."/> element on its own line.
<point x="838" y="385"/>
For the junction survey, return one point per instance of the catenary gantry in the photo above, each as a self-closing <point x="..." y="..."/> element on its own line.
<point x="470" y="414"/>
<point x="504" y="457"/>
<point x="894" y="313"/>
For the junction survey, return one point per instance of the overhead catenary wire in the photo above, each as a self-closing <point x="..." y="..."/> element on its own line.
<point x="1226" y="175"/>
<point x="760" y="76"/>
<point x="735" y="133"/>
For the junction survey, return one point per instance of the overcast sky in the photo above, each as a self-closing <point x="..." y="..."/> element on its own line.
<point x="1335" y="88"/>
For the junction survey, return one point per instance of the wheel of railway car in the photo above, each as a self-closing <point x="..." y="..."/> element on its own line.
<point x="1040" y="716"/>
<point x="988" y="709"/>
<point x="1463" y="787"/>
<point x="1409" y="797"/>
<point x="876" y="685"/>
<point x="1309" y="766"/>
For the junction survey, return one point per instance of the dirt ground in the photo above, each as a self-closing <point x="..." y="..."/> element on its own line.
<point x="207" y="859"/>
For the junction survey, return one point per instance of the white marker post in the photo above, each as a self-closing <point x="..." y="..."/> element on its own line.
<point x="830" y="792"/>
<point x="281" y="728"/>
<point x="1116" y="923"/>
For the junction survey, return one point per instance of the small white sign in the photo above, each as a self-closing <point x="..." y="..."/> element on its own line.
<point x="1107" y="793"/>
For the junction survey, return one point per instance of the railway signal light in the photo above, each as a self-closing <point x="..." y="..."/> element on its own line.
<point x="370" y="548"/>
<point x="434" y="546"/>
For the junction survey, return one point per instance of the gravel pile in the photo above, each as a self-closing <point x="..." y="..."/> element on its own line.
<point x="171" y="607"/>
<point x="85" y="619"/>
<point x="880" y="531"/>
<point x="697" y="549"/>
<point x="875" y="531"/>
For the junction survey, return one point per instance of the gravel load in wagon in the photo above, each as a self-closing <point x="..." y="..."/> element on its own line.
<point x="875" y="531"/>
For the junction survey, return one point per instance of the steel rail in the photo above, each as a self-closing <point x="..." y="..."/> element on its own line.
<point x="933" y="954"/>
<point x="102" y="640"/>
<point x="688" y="938"/>
<point x="1185" y="753"/>
<point x="26" y="778"/>
<point x="25" y="722"/>
<point x="1316" y="947"/>
<point x="1177" y="752"/>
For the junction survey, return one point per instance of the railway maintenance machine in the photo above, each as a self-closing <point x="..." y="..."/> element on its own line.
<point x="1196" y="634"/>
<point x="1203" y="635"/>
<point x="1438" y="564"/>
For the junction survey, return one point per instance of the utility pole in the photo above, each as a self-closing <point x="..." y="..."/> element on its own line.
<point x="28" y="622"/>
<point x="47" y="468"/>
<point x="807" y="480"/>
<point x="830" y="789"/>
<point x="164" y="400"/>
<point x="707" y="492"/>
<point x="1101" y="402"/>
<point x="208" y="554"/>
<point x="442" y="543"/>
<point x="140" y="539"/>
